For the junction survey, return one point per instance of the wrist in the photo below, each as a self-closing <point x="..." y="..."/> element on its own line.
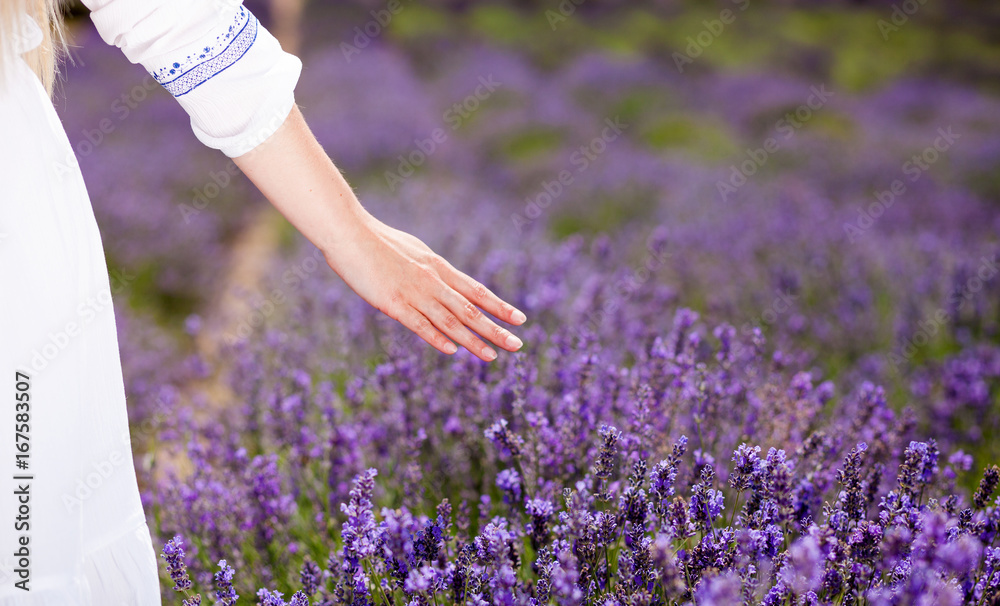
<point x="354" y="224"/>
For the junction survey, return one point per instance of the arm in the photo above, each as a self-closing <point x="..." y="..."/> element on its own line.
<point x="237" y="84"/>
<point x="394" y="271"/>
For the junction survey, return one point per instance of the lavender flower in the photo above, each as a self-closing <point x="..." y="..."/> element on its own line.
<point x="852" y="498"/>
<point x="225" y="593"/>
<point x="173" y="553"/>
<point x="748" y="465"/>
<point x="706" y="502"/>
<point x="607" y="457"/>
<point x="310" y="576"/>
<point x="663" y="477"/>
<point x="360" y="530"/>
<point x="541" y="512"/>
<point x="986" y="487"/>
<point x="427" y="544"/>
<point x="501" y="435"/>
<point x="268" y="598"/>
<point x="803" y="569"/>
<point x="918" y="467"/>
<point x="509" y="482"/>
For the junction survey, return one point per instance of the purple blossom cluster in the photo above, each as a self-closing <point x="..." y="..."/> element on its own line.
<point x="594" y="481"/>
<point x="874" y="539"/>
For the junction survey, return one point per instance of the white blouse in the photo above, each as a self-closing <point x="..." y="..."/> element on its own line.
<point x="223" y="67"/>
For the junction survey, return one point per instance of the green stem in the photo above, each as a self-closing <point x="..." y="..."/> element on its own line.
<point x="732" y="516"/>
<point x="465" y="588"/>
<point x="607" y="563"/>
<point x="376" y="580"/>
<point x="697" y="426"/>
<point x="524" y="477"/>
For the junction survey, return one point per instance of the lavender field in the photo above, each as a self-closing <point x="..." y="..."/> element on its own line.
<point x="758" y="245"/>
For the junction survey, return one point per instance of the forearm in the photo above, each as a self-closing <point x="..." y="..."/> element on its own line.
<point x="293" y="171"/>
<point x="392" y="270"/>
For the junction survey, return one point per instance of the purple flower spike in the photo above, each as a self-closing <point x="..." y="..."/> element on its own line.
<point x="224" y="590"/>
<point x="173" y="553"/>
<point x="310" y="577"/>
<point x="748" y="465"/>
<point x="509" y="482"/>
<point x="268" y="598"/>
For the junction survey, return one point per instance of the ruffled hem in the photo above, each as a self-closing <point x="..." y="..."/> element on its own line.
<point x="54" y="592"/>
<point x="120" y="573"/>
<point x="124" y="572"/>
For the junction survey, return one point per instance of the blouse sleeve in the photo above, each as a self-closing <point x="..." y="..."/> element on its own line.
<point x="222" y="66"/>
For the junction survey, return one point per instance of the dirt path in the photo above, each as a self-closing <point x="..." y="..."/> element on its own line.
<point x="250" y="255"/>
<point x="249" y="259"/>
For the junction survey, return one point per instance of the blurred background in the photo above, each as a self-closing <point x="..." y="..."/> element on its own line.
<point x="824" y="171"/>
<point x="701" y="85"/>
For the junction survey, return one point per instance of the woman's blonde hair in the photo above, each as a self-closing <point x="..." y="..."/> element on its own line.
<point x="48" y="15"/>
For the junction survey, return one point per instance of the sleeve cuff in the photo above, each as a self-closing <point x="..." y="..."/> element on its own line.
<point x="262" y="125"/>
<point x="237" y="84"/>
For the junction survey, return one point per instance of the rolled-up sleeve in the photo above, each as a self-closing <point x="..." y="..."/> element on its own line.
<point x="226" y="70"/>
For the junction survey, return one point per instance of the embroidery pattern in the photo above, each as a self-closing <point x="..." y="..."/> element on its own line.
<point x="184" y="76"/>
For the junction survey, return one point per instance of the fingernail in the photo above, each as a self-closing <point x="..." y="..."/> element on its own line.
<point x="450" y="348"/>
<point x="518" y="317"/>
<point x="513" y="342"/>
<point x="489" y="354"/>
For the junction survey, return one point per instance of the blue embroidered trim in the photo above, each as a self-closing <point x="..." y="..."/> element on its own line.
<point x="180" y="78"/>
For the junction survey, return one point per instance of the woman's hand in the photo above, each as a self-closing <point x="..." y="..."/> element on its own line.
<point x="392" y="270"/>
<point x="402" y="277"/>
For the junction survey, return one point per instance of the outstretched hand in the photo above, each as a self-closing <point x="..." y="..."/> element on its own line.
<point x="392" y="270"/>
<point x="402" y="277"/>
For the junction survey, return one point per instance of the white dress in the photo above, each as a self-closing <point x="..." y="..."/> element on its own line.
<point x="72" y="528"/>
